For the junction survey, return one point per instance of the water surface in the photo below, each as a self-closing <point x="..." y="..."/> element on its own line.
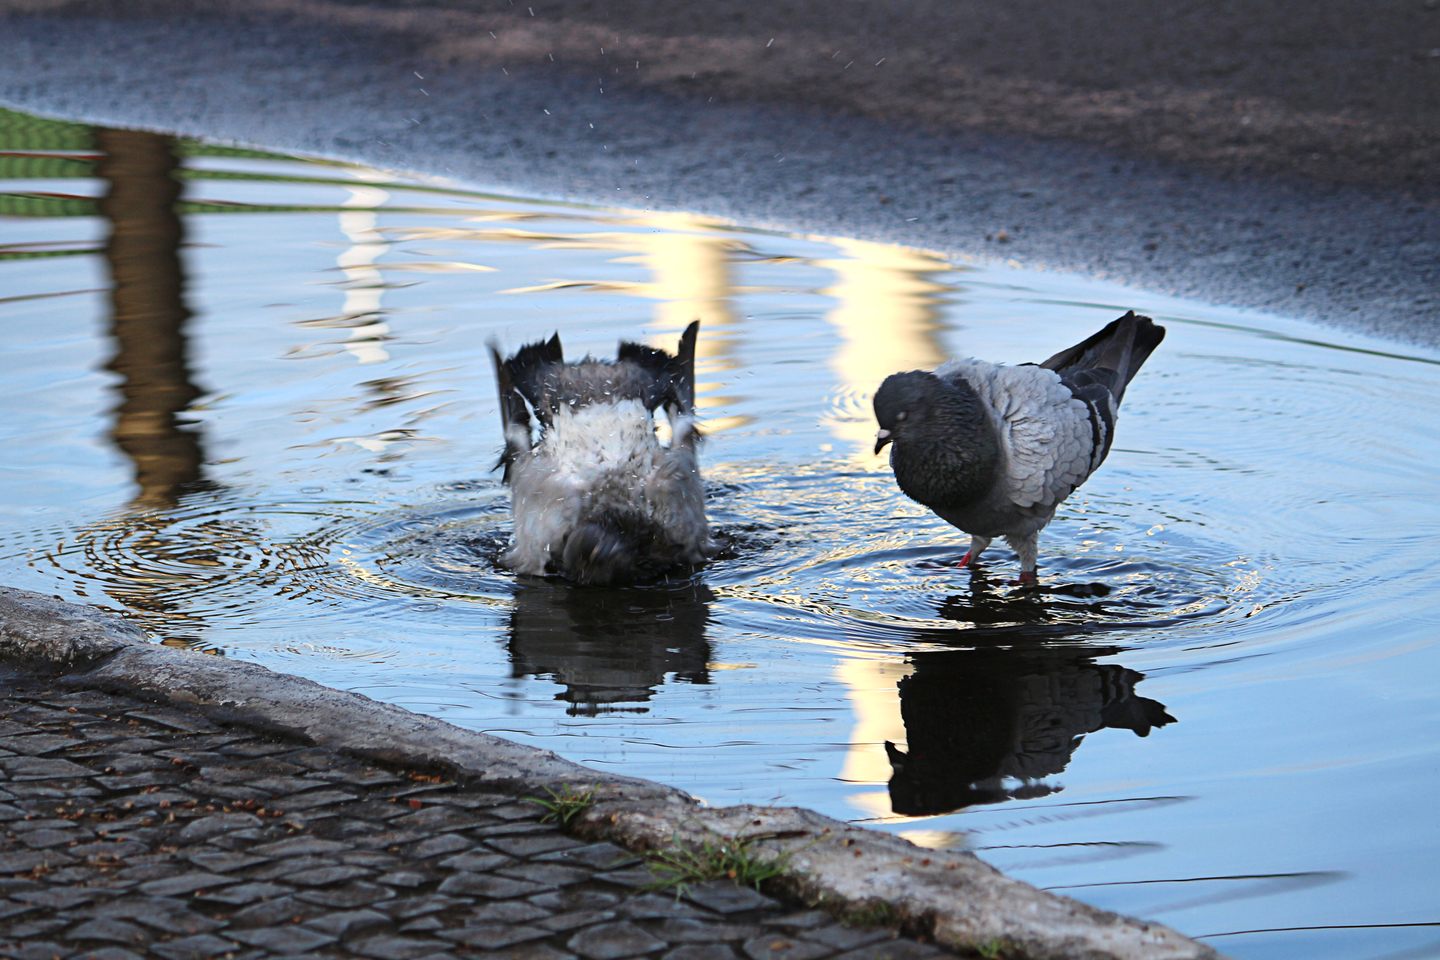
<point x="248" y="404"/>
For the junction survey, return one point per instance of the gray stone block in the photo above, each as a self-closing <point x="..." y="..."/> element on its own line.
<point x="612" y="941"/>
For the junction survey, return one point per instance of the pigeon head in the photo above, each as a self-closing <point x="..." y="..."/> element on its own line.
<point x="945" y="451"/>
<point x="904" y="400"/>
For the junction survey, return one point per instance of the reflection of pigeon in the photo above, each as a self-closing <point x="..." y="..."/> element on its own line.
<point x="975" y="719"/>
<point x="611" y="648"/>
<point x="598" y="499"/>
<point x="994" y="449"/>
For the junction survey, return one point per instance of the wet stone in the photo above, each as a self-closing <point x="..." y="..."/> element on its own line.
<point x="173" y="719"/>
<point x="700" y="951"/>
<point x="40" y="839"/>
<point x="348" y="897"/>
<point x="435" y="846"/>
<point x="547" y="874"/>
<point x="807" y="920"/>
<point x="284" y="867"/>
<point x="575" y="899"/>
<point x="326" y="876"/>
<point x="777" y="946"/>
<point x="57" y="898"/>
<point x="487" y="885"/>
<point x="113" y="931"/>
<point x="419" y="906"/>
<point x="611" y="941"/>
<point x="507" y="911"/>
<point x="246" y="893"/>
<point x="346" y="923"/>
<point x="289" y="939"/>
<point x="223" y="861"/>
<point x="50" y="790"/>
<point x="403" y="878"/>
<point x="596" y="856"/>
<point x="35" y="950"/>
<point x="183" y="884"/>
<point x="217" y="824"/>
<point x="396" y="948"/>
<point x="636" y="877"/>
<point x="32" y="768"/>
<point x="569" y="921"/>
<point x="199" y="947"/>
<point x="893" y="950"/>
<point x="423" y="925"/>
<point x="36" y="744"/>
<point x="270" y="912"/>
<point x="725" y="897"/>
<point x="531" y="845"/>
<point x="846" y="938"/>
<point x="35" y="929"/>
<point x="658" y="906"/>
<point x="493" y="936"/>
<point x="692" y="930"/>
<point x="536" y="950"/>
<point x="299" y="847"/>
<point x="316" y="799"/>
<point x="111" y="953"/>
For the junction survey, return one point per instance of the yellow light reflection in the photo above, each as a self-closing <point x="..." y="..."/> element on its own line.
<point x="887" y="318"/>
<point x="875" y="701"/>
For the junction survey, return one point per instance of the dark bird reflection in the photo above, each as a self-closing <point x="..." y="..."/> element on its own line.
<point x="1013" y="708"/>
<point x="610" y="647"/>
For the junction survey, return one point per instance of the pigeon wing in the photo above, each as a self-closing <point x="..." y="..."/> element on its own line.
<point x="1049" y="438"/>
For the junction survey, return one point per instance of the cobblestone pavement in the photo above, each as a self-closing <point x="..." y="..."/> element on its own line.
<point x="134" y="830"/>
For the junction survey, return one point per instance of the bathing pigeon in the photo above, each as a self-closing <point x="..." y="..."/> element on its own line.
<point x="597" y="499"/>
<point x="994" y="449"/>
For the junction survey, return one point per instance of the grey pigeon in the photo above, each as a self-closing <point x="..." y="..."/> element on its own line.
<point x="993" y="450"/>
<point x="597" y="499"/>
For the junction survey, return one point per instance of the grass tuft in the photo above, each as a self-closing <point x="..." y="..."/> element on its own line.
<point x="996" y="948"/>
<point x="564" y="804"/>
<point x="732" y="858"/>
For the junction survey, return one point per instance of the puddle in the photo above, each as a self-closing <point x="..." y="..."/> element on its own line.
<point x="249" y="406"/>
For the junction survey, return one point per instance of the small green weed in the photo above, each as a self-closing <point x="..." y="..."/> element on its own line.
<point x="872" y="913"/>
<point x="996" y="948"/>
<point x="721" y="858"/>
<point x="564" y="804"/>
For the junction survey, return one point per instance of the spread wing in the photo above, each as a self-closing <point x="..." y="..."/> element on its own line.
<point x="1051" y="439"/>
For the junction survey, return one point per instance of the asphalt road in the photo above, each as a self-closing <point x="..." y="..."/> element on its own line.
<point x="1341" y="239"/>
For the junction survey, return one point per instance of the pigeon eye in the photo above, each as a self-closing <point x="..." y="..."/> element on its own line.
<point x="901" y="415"/>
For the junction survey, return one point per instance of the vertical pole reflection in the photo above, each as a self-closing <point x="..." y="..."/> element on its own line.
<point x="148" y="312"/>
<point x="887" y="318"/>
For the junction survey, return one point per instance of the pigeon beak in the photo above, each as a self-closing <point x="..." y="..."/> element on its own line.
<point x="881" y="439"/>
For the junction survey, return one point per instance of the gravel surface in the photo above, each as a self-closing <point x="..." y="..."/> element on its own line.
<point x="1323" y="208"/>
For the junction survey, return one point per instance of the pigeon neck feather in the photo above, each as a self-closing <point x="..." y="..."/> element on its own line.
<point x="946" y="453"/>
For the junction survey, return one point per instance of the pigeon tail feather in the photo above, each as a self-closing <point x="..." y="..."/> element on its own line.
<point x="1122" y="346"/>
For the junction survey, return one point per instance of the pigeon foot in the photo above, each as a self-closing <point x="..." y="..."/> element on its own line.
<point x="965" y="561"/>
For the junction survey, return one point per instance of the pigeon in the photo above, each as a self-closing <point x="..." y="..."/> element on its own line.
<point x="993" y="449"/>
<point x="597" y="499"/>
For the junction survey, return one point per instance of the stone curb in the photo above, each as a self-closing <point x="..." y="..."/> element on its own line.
<point x="960" y="901"/>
